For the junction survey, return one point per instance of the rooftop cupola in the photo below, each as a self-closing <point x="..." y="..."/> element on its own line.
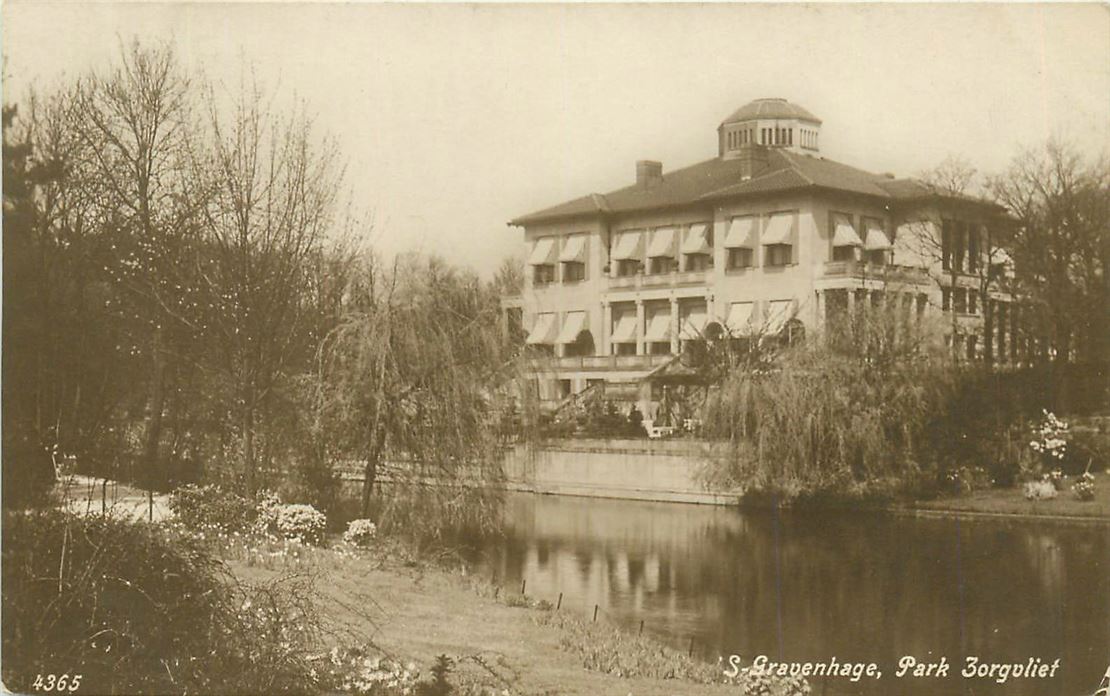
<point x="769" y="122"/>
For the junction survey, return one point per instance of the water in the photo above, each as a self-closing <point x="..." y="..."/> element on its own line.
<point x="807" y="587"/>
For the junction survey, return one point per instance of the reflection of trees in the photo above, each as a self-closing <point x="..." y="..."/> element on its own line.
<point x="858" y="586"/>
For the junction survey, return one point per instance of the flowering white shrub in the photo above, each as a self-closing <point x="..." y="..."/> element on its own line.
<point x="373" y="675"/>
<point x="1040" y="490"/>
<point x="1049" y="438"/>
<point x="301" y="522"/>
<point x="360" y="532"/>
<point x="1084" y="488"/>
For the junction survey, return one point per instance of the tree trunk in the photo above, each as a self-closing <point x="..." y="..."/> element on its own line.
<point x="156" y="403"/>
<point x="370" y="473"/>
<point x="250" y="480"/>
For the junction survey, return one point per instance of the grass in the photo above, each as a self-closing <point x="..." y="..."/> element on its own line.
<point x="1011" y="501"/>
<point x="497" y="641"/>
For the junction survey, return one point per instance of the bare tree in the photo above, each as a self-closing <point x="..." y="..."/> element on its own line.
<point x="1062" y="245"/>
<point x="954" y="175"/>
<point x="135" y="126"/>
<point x="953" y="249"/>
<point x="271" y="195"/>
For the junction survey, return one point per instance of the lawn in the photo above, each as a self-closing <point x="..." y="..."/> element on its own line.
<point x="1011" y="501"/>
<point x="414" y="612"/>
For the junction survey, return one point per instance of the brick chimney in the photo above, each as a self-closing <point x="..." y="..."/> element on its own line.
<point x="648" y="173"/>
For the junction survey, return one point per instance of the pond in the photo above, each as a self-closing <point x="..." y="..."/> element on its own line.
<point x="809" y="587"/>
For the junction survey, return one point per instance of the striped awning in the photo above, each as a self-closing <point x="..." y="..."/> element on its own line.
<point x="780" y="229"/>
<point x="697" y="240"/>
<point x="574" y="249"/>
<point x="659" y="327"/>
<point x="693" y="324"/>
<point x="739" y="319"/>
<point x="544" y="329"/>
<point x="543" y="252"/>
<point x="741" y="233"/>
<point x="876" y="238"/>
<point x="845" y="233"/>
<point x="662" y="243"/>
<point x="573" y="325"/>
<point x="778" y="313"/>
<point x="628" y="246"/>
<point x="624" y="328"/>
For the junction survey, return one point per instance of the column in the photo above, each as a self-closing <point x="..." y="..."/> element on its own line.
<point x="819" y="308"/>
<point x="606" y="347"/>
<point x="675" y="326"/>
<point x="640" y="327"/>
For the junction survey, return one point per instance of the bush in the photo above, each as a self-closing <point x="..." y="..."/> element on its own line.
<point x="360" y="532"/>
<point x="137" y="609"/>
<point x="212" y="508"/>
<point x="1084" y="488"/>
<point x="295" y="521"/>
<point x="1040" y="490"/>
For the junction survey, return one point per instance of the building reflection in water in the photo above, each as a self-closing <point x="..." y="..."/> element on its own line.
<point x="807" y="587"/>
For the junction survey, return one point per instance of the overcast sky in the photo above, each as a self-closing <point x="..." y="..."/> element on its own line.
<point x="456" y="118"/>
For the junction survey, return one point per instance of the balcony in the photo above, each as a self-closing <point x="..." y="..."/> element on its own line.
<point x="876" y="271"/>
<point x="659" y="280"/>
<point x="601" y="363"/>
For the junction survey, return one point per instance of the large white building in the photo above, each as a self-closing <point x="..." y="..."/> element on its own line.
<point x="765" y="233"/>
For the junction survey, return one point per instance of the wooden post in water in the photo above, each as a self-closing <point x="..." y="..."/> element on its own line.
<point x="523" y="583"/>
<point x="595" y="612"/>
<point x="690" y="652"/>
<point x="559" y="604"/>
<point x="641" y="628"/>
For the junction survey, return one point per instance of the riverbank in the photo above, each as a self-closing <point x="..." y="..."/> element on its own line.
<point x="499" y="641"/>
<point x="1011" y="502"/>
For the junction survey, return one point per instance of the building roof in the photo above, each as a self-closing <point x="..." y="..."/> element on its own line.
<point x="770" y="108"/>
<point x="719" y="178"/>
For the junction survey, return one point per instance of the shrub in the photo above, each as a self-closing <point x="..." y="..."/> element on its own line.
<point x="360" y="532"/>
<point x="1050" y="440"/>
<point x="141" y="610"/>
<point x="212" y="508"/>
<point x="1084" y="488"/>
<point x="1040" y="490"/>
<point x="297" y="521"/>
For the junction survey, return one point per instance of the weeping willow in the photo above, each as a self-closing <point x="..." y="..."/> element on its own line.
<point x="410" y="379"/>
<point x="847" y="412"/>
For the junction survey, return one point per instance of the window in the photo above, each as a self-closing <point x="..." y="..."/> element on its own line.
<point x="972" y="303"/>
<point x="698" y="262"/>
<point x="574" y="272"/>
<point x="959" y="243"/>
<point x="780" y="254"/>
<point x="739" y="257"/>
<point x="628" y="267"/>
<point x="624" y="348"/>
<point x="959" y="300"/>
<point x="661" y="264"/>
<point x="542" y="274"/>
<point x="946" y="245"/>
<point x="844" y="253"/>
<point x="973" y="249"/>
<point x="946" y="299"/>
<point x="659" y="348"/>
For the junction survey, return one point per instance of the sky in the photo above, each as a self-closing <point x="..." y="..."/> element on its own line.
<point x="454" y="119"/>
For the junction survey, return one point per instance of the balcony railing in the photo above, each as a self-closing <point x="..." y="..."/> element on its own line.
<point x="659" y="280"/>
<point x="601" y="362"/>
<point x="878" y="271"/>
